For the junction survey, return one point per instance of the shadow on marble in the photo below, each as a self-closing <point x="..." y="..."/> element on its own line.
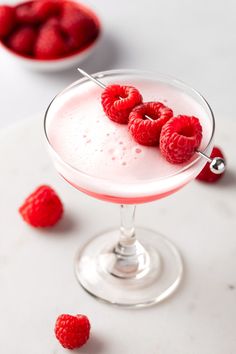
<point x="94" y="345"/>
<point x="229" y="179"/>
<point x="105" y="56"/>
<point x="64" y="227"/>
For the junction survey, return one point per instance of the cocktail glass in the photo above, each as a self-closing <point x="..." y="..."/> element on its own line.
<point x="129" y="266"/>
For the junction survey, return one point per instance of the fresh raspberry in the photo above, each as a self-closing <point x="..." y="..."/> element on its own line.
<point x="43" y="9"/>
<point x="72" y="331"/>
<point x="22" y="41"/>
<point x="143" y="130"/>
<point x="7" y="20"/>
<point x="80" y="27"/>
<point x="180" y="137"/>
<point x="50" y="43"/>
<point x="206" y="175"/>
<point x="42" y="208"/>
<point x="118" y="101"/>
<point x="54" y="22"/>
<point x="25" y="14"/>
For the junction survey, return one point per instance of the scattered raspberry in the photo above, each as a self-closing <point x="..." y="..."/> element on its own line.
<point x="43" y="9"/>
<point x="180" y="137"/>
<point x="25" y="14"/>
<point x="206" y="175"/>
<point x="22" y="41"/>
<point x="50" y="43"/>
<point x="7" y="20"/>
<point x="42" y="208"/>
<point x="72" y="331"/>
<point x="118" y="101"/>
<point x="80" y="27"/>
<point x="143" y="130"/>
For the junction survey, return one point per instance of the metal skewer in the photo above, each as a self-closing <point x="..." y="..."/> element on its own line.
<point x="217" y="164"/>
<point x="99" y="83"/>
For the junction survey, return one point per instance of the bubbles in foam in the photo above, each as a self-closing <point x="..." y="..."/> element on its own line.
<point x="76" y="140"/>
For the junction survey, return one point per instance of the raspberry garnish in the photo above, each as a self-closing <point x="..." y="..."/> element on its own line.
<point x="118" y="101"/>
<point x="180" y="137"/>
<point x="143" y="130"/>
<point x="22" y="41"/>
<point x="206" y="175"/>
<point x="7" y="20"/>
<point x="72" y="331"/>
<point x="42" y="208"/>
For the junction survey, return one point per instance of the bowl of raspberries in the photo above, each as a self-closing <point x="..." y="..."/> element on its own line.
<point x="48" y="34"/>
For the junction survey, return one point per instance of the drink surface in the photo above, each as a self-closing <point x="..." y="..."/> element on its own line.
<point x="104" y="151"/>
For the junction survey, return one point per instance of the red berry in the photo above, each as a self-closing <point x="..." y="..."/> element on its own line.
<point x="180" y="137"/>
<point x="118" y="101"/>
<point x="50" y="43"/>
<point x="25" y="14"/>
<point x="206" y="175"/>
<point x="72" y="331"/>
<point x="143" y="130"/>
<point x="42" y="208"/>
<point x="22" y="41"/>
<point x="80" y="27"/>
<point x="7" y="20"/>
<point x="43" y="9"/>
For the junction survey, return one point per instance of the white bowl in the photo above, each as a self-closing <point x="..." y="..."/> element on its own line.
<point x="60" y="63"/>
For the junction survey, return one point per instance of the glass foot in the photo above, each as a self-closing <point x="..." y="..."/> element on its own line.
<point x="143" y="274"/>
<point x="148" y="278"/>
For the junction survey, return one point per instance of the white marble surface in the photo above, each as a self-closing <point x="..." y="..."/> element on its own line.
<point x="192" y="40"/>
<point x="36" y="267"/>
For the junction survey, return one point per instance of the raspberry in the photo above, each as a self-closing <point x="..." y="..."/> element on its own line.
<point x="118" y="101"/>
<point x="53" y="21"/>
<point x="50" y="43"/>
<point x="206" y="175"/>
<point x="7" y="20"/>
<point x="80" y="27"/>
<point x="143" y="130"/>
<point x="22" y="41"/>
<point x="42" y="208"/>
<point x="180" y="137"/>
<point x="72" y="331"/>
<point x="25" y="14"/>
<point x="43" y="9"/>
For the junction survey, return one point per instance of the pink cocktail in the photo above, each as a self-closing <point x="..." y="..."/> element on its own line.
<point x="100" y="158"/>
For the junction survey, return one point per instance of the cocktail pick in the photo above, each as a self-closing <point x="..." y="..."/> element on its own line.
<point x="217" y="164"/>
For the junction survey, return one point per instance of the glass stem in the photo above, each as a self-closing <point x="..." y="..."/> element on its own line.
<point x="127" y="242"/>
<point x="131" y="259"/>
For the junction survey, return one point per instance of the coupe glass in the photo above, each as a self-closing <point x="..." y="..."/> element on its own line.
<point x="130" y="266"/>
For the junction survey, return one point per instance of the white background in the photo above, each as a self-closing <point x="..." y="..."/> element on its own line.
<point x="192" y="40"/>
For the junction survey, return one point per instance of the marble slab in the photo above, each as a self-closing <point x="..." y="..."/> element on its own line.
<point x="36" y="267"/>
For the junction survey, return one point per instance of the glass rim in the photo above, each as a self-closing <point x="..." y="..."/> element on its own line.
<point x="106" y="73"/>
